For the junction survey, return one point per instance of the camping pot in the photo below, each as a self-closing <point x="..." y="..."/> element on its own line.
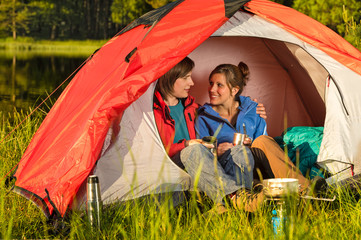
<point x="94" y="203"/>
<point x="280" y="187"/>
<point x="211" y="140"/>
<point x="238" y="138"/>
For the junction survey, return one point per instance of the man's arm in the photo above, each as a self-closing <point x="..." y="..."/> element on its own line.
<point x="261" y="110"/>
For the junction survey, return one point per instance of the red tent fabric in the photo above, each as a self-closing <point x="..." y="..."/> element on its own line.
<point x="65" y="148"/>
<point x="308" y="30"/>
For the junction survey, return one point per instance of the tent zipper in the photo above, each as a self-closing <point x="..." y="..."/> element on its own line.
<point x="341" y="95"/>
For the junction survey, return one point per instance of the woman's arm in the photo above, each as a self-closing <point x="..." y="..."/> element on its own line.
<point x="261" y="128"/>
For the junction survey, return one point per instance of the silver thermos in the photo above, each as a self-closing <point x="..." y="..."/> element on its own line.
<point x="94" y="202"/>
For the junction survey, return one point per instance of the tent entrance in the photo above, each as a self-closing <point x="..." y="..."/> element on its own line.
<point x="283" y="76"/>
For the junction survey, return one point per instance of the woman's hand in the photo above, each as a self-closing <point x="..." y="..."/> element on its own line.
<point x="261" y="110"/>
<point x="247" y="141"/>
<point x="193" y="141"/>
<point x="223" y="147"/>
<point x="199" y="141"/>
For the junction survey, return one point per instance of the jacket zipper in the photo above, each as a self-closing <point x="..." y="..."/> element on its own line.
<point x="223" y="120"/>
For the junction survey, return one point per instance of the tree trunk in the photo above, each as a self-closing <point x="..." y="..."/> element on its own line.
<point x="53" y="32"/>
<point x="88" y="19"/>
<point x="97" y="18"/>
<point x="14" y="21"/>
<point x="13" y="77"/>
<point x="105" y="15"/>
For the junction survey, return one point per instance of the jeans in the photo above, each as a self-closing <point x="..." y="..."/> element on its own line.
<point x="218" y="178"/>
<point x="238" y="162"/>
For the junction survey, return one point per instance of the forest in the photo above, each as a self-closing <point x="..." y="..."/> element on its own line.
<point x="102" y="19"/>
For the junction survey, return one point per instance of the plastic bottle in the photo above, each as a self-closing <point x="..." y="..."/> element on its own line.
<point x="277" y="220"/>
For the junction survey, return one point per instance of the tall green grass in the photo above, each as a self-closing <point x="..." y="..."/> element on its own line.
<point x="25" y="46"/>
<point x="149" y="218"/>
<point x="18" y="217"/>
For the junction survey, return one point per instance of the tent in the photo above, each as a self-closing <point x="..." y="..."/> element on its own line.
<point x="103" y="124"/>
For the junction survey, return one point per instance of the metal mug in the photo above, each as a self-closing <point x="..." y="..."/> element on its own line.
<point x="238" y="138"/>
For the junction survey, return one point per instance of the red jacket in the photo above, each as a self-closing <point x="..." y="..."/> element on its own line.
<point x="166" y="125"/>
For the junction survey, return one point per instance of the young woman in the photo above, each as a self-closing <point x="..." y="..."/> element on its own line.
<point x="227" y="113"/>
<point x="175" y="111"/>
<point x="228" y="108"/>
<point x="174" y="108"/>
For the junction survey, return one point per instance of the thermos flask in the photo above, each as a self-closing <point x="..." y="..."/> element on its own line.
<point x="94" y="202"/>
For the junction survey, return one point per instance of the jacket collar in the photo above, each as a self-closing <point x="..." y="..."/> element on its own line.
<point x="159" y="101"/>
<point x="161" y="105"/>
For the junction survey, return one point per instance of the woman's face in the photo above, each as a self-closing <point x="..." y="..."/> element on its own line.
<point x="182" y="86"/>
<point x="219" y="91"/>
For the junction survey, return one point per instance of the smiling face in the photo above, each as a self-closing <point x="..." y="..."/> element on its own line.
<point x="182" y="86"/>
<point x="220" y="93"/>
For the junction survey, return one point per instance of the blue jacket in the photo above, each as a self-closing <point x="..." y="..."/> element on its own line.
<point x="208" y="121"/>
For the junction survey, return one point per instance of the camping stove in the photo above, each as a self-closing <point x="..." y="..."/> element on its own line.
<point x="282" y="198"/>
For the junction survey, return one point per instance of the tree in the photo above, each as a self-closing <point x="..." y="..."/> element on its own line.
<point x="352" y="30"/>
<point x="71" y="19"/>
<point x="287" y="3"/>
<point x="14" y="17"/>
<point x="158" y="3"/>
<point x="47" y="19"/>
<point x="125" y="11"/>
<point x="330" y="12"/>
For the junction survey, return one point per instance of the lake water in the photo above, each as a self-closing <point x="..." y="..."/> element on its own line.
<point x="28" y="78"/>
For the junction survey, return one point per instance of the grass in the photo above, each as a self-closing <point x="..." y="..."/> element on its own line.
<point x="149" y="218"/>
<point x="28" y="46"/>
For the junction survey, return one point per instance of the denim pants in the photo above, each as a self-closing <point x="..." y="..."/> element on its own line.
<point x="218" y="177"/>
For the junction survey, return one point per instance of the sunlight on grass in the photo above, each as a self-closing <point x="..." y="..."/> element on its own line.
<point x="24" y="48"/>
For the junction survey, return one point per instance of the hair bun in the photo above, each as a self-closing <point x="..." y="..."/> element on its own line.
<point x="243" y="68"/>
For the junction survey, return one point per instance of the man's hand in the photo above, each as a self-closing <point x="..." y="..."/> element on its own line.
<point x="261" y="110"/>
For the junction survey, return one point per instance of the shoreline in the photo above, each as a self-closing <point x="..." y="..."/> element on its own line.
<point x="28" y="46"/>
